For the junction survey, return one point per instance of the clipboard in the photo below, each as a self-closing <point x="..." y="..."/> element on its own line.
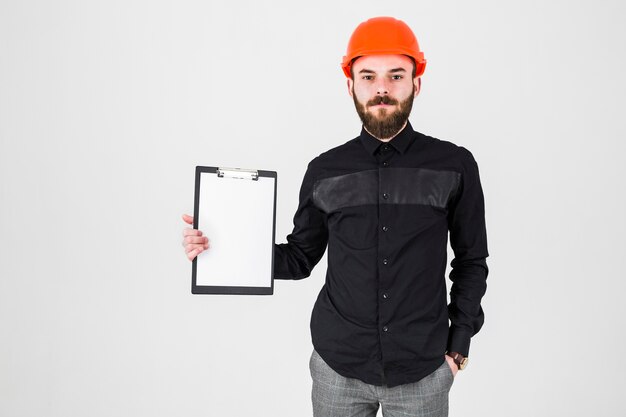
<point x="236" y="209"/>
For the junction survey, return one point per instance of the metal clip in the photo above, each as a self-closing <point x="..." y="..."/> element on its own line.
<point x="246" y="174"/>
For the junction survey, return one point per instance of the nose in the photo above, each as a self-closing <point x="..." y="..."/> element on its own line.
<point x="381" y="86"/>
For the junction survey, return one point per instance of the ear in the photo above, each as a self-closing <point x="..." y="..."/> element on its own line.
<point x="349" y="85"/>
<point x="417" y="84"/>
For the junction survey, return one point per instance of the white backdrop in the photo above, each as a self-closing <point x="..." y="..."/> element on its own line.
<point x="106" y="107"/>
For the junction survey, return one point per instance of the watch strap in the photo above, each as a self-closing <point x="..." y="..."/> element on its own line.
<point x="460" y="360"/>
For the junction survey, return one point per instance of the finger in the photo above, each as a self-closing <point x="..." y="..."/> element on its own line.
<point x="196" y="239"/>
<point x="191" y="255"/>
<point x="190" y="248"/>
<point x="188" y="219"/>
<point x="192" y="232"/>
<point x="198" y="243"/>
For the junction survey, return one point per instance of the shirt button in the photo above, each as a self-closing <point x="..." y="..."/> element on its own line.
<point x="385" y="163"/>
<point x="385" y="261"/>
<point x="385" y="295"/>
<point x="385" y="147"/>
<point x="385" y="196"/>
<point x="385" y="328"/>
<point x="385" y="228"/>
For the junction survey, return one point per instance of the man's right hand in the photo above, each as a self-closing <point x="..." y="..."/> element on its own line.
<point x="193" y="241"/>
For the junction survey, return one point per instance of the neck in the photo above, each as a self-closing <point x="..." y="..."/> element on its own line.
<point x="390" y="137"/>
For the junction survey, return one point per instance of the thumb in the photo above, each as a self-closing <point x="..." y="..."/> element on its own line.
<point x="188" y="219"/>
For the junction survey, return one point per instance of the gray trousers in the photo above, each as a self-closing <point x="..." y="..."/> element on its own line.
<point x="334" y="395"/>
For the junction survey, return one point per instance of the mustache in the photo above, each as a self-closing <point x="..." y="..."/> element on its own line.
<point x="382" y="100"/>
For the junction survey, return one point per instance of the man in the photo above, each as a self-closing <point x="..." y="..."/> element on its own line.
<point x="384" y="203"/>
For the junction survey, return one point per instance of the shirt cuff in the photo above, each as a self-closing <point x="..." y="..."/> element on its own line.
<point x="459" y="341"/>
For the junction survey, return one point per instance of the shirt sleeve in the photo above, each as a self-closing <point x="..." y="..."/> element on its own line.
<point x="307" y="242"/>
<point x="468" y="239"/>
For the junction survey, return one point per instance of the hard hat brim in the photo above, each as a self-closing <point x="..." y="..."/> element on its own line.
<point x="420" y="62"/>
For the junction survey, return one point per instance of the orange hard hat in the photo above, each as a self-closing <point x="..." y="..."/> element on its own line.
<point x="383" y="35"/>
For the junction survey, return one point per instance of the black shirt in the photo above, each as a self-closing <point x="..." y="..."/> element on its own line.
<point x="384" y="210"/>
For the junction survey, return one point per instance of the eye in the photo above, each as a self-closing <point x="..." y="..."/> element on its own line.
<point x="367" y="77"/>
<point x="396" y="77"/>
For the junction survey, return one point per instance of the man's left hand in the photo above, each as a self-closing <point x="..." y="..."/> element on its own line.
<point x="453" y="366"/>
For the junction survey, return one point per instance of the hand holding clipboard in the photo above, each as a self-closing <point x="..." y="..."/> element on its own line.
<point x="193" y="240"/>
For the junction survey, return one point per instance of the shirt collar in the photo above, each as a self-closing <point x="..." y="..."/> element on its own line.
<point x="400" y="142"/>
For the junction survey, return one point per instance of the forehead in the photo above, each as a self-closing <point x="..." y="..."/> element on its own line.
<point x="382" y="63"/>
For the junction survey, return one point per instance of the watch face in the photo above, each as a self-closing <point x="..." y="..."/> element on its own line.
<point x="463" y="363"/>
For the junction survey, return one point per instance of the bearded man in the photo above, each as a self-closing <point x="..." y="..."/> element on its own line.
<point x="383" y="203"/>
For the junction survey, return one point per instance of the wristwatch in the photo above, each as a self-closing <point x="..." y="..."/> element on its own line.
<point x="459" y="359"/>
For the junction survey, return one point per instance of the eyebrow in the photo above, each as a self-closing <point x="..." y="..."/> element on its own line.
<point x="368" y="71"/>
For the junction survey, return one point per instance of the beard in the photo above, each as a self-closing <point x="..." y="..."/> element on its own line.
<point x="380" y="123"/>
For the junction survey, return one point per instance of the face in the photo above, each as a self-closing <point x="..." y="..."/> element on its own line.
<point x="383" y="90"/>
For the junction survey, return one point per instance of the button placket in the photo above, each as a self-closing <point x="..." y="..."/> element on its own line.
<point x="383" y="248"/>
